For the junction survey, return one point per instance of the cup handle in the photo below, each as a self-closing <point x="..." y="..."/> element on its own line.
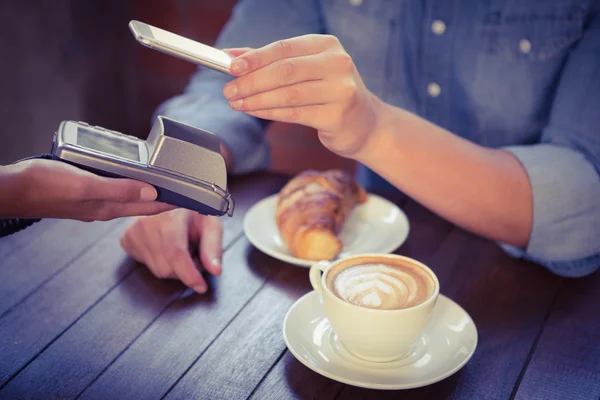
<point x="315" y="276"/>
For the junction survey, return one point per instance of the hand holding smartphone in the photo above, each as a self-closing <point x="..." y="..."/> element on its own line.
<point x="181" y="47"/>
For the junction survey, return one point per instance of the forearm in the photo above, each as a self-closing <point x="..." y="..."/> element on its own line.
<point x="11" y="190"/>
<point x="483" y="190"/>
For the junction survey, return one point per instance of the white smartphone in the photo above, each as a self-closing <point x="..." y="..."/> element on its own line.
<point x="181" y="47"/>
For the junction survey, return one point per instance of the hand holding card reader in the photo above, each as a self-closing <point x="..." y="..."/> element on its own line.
<point x="182" y="162"/>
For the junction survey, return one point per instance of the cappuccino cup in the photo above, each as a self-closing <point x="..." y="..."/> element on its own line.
<point x="378" y="305"/>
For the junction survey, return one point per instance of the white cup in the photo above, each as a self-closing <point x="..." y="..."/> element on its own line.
<point x="371" y="334"/>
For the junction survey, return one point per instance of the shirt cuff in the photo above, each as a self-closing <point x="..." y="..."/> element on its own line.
<point x="566" y="205"/>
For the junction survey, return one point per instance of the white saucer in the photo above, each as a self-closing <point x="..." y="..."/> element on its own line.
<point x="445" y="347"/>
<point x="376" y="226"/>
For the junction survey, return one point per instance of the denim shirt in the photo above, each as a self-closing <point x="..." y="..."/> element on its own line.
<point x="522" y="75"/>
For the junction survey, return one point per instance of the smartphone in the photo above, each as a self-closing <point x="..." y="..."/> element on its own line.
<point x="181" y="47"/>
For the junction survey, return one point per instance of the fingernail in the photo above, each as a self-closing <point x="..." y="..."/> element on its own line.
<point x="236" y="104"/>
<point x="230" y="91"/>
<point x="200" y="289"/>
<point x="239" y="66"/>
<point x="147" y="194"/>
<point x="216" y="262"/>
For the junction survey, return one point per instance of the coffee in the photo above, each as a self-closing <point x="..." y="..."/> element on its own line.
<point x="378" y="305"/>
<point x="372" y="284"/>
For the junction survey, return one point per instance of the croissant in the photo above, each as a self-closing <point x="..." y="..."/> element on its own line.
<point x="312" y="209"/>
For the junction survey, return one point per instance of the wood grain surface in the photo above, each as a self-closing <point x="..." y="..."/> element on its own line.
<point x="79" y="319"/>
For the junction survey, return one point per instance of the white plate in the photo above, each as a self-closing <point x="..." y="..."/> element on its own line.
<point x="376" y="226"/>
<point x="446" y="346"/>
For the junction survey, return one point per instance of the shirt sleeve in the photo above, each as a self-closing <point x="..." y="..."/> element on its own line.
<point x="564" y="169"/>
<point x="253" y="23"/>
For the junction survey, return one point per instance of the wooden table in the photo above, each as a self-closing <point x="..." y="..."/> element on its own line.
<point x="78" y="318"/>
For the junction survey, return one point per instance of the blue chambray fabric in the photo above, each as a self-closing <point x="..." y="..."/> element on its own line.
<point x="522" y="75"/>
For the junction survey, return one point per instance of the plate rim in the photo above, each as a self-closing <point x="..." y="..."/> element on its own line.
<point x="308" y="263"/>
<point x="376" y="386"/>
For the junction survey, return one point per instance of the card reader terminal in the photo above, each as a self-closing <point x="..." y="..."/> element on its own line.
<point x="182" y="162"/>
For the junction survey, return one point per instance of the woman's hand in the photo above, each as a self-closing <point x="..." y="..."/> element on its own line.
<point x="53" y="189"/>
<point x="308" y="80"/>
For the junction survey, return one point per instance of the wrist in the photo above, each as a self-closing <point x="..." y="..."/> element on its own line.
<point x="382" y="136"/>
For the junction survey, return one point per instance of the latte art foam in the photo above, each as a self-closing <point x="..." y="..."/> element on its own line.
<point x="382" y="286"/>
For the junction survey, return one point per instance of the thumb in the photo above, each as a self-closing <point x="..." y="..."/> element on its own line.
<point x="120" y="190"/>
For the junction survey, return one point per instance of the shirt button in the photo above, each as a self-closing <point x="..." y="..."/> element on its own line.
<point x="356" y="3"/>
<point x="434" y="89"/>
<point x="438" y="27"/>
<point x="525" y="46"/>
